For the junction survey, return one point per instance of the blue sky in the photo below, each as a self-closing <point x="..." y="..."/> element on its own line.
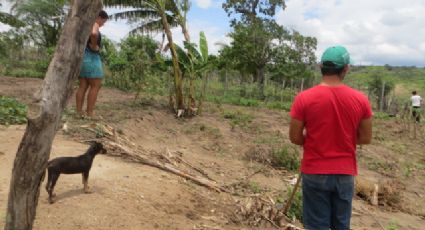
<point x="376" y="32"/>
<point x="204" y="15"/>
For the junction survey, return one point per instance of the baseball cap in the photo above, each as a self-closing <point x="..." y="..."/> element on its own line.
<point x="338" y="55"/>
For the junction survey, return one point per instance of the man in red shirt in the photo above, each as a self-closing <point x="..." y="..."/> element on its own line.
<point x="335" y="118"/>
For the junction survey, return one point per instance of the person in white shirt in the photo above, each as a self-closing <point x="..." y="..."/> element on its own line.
<point x="416" y="106"/>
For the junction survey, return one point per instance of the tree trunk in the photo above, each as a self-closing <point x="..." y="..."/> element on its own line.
<point x="178" y="84"/>
<point x="261" y="81"/>
<point x="44" y="115"/>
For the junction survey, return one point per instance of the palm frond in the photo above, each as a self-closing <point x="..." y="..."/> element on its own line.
<point x="133" y="15"/>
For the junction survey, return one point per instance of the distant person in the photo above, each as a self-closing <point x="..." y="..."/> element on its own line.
<point x="416" y="106"/>
<point x="91" y="73"/>
<point x="328" y="120"/>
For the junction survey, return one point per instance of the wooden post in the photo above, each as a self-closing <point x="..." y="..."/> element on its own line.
<point x="302" y="85"/>
<point x="44" y="115"/>
<point x="226" y="86"/>
<point x="381" y="106"/>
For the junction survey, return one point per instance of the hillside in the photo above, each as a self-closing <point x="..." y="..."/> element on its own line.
<point x="239" y="147"/>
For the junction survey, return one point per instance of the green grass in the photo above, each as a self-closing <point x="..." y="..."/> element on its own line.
<point x="392" y="225"/>
<point x="238" y="118"/>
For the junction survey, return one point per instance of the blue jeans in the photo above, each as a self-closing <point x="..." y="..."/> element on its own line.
<point x="327" y="201"/>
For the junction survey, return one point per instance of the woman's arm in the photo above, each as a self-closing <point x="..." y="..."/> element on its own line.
<point x="93" y="38"/>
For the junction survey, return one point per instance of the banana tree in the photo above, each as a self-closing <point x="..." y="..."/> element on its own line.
<point x="194" y="64"/>
<point x="157" y="15"/>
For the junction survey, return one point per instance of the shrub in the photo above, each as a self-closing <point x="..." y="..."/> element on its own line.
<point x="286" y="157"/>
<point x="11" y="111"/>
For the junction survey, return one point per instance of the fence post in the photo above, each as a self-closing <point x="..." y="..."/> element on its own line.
<point x="302" y="85"/>
<point x="381" y="106"/>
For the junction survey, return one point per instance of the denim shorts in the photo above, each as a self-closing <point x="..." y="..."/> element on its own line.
<point x="327" y="201"/>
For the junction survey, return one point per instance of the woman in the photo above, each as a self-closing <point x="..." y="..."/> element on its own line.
<point x="91" y="73"/>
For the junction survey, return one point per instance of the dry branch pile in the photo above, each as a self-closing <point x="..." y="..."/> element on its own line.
<point x="255" y="211"/>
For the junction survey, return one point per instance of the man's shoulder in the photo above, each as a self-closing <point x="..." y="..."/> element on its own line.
<point x="356" y="92"/>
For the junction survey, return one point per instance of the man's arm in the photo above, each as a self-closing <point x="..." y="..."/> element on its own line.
<point x="364" y="133"/>
<point x="296" y="129"/>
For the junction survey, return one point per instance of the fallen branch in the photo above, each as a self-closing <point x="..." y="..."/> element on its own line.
<point x="166" y="167"/>
<point x="179" y="159"/>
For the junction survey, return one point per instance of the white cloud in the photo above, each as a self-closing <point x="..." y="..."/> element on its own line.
<point x="375" y="32"/>
<point x="204" y="4"/>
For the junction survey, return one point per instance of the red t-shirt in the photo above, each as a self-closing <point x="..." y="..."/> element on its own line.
<point x="331" y="116"/>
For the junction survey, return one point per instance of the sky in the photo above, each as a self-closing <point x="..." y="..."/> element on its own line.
<point x="376" y="32"/>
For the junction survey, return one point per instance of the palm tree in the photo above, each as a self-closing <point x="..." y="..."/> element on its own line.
<point x="156" y="15"/>
<point x="9" y="19"/>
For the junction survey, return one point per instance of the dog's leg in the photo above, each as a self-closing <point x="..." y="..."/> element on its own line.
<point x="49" y="181"/>
<point x="54" y="177"/>
<point x="86" y="182"/>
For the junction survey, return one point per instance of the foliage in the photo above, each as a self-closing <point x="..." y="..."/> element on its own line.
<point x="287" y="158"/>
<point x="248" y="10"/>
<point x="296" y="209"/>
<point x="43" y="19"/>
<point x="381" y="115"/>
<point x="380" y="89"/>
<point x="144" y="15"/>
<point x="12" y="111"/>
<point x="9" y="19"/>
<point x="392" y="225"/>
<point x="259" y="45"/>
<point x="237" y="118"/>
<point x="135" y="66"/>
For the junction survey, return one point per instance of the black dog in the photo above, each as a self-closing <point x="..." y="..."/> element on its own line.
<point x="72" y="165"/>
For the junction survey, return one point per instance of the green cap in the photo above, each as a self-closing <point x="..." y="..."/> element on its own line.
<point x="338" y="55"/>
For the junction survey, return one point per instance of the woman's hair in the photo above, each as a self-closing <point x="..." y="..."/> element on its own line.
<point x="103" y="14"/>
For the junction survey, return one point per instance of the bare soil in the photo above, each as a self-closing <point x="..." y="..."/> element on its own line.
<point x="127" y="195"/>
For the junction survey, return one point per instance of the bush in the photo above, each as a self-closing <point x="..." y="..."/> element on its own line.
<point x="286" y="158"/>
<point x="11" y="111"/>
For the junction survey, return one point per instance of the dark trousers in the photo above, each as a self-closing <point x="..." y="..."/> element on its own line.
<point x="416" y="113"/>
<point x="327" y="201"/>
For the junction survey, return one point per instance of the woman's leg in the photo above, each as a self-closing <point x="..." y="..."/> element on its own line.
<point x="79" y="96"/>
<point x="95" y="84"/>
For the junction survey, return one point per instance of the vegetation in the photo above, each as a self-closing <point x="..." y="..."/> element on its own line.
<point x="12" y="112"/>
<point x="287" y="158"/>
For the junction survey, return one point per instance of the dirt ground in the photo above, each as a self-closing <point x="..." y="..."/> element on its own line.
<point x="128" y="195"/>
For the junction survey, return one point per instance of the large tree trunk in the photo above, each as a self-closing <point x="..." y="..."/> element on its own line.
<point x="44" y="115"/>
<point x="178" y="84"/>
